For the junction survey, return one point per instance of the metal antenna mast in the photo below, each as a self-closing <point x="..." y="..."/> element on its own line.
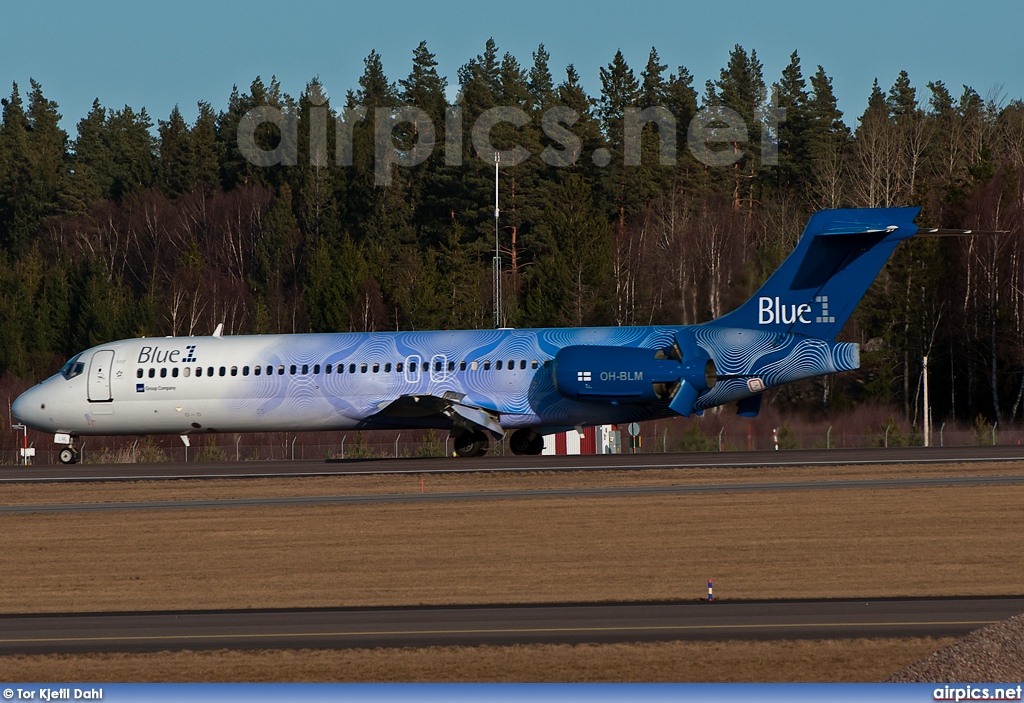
<point x="497" y="251"/>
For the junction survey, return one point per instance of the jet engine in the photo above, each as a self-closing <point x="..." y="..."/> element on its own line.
<point x="603" y="374"/>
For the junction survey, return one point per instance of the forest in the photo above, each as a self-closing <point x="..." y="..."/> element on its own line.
<point x="131" y="227"/>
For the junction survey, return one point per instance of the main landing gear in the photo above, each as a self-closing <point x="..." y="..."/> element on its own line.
<point x="471" y="443"/>
<point x="526" y="441"/>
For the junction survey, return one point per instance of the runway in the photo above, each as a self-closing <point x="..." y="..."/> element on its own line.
<point x="510" y="464"/>
<point x="500" y="625"/>
<point x="605" y="492"/>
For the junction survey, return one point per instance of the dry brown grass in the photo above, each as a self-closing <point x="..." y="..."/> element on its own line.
<point x="48" y="493"/>
<point x="853" y="543"/>
<point x="860" y="660"/>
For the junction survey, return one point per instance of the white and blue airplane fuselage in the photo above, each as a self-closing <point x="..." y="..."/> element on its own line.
<point x="480" y="383"/>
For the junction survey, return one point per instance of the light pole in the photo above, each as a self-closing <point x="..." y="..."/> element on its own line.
<point x="497" y="251"/>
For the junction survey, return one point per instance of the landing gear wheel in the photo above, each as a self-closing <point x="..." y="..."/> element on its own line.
<point x="471" y="444"/>
<point x="526" y="442"/>
<point x="68" y="456"/>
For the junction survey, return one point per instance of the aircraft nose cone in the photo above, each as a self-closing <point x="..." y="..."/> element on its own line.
<point x="26" y="408"/>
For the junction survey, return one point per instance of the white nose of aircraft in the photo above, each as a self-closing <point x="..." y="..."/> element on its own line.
<point x="30" y="408"/>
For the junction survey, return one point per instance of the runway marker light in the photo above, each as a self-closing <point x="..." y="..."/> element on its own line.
<point x="710" y="594"/>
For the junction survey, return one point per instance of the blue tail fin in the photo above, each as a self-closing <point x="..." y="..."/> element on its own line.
<point x="817" y="287"/>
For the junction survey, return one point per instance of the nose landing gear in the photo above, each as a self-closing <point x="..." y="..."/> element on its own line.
<point x="69" y="455"/>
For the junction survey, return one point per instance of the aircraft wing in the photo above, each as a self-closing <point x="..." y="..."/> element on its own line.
<point x="450" y="406"/>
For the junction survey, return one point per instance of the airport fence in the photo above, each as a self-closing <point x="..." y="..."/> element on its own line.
<point x="381" y="445"/>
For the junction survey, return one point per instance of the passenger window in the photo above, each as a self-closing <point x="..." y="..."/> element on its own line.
<point x="209" y="370"/>
<point x="258" y="370"/>
<point x="376" y="368"/>
<point x="387" y="367"/>
<point x="291" y="369"/>
<point x="316" y="368"/>
<point x="138" y="374"/>
<point x="398" y="367"/>
<point x="152" y="373"/>
<point x="327" y="369"/>
<point x="305" y="369"/>
<point x="511" y="364"/>
<point x="412" y="367"/>
<point x="462" y="366"/>
<point x="351" y="368"/>
<point x="487" y="366"/>
<point x="199" y="371"/>
<point x="533" y="364"/>
<point x="474" y="366"/>
<point x="280" y="370"/>
<point x="451" y="365"/>
<point x="174" y="372"/>
<point x="497" y="365"/>
<point x="234" y="370"/>
<point x="522" y="364"/>
<point x="223" y="371"/>
<point x="547" y="363"/>
<point x="163" y="372"/>
<point x="245" y="370"/>
<point x="188" y="370"/>
<point x="362" y="369"/>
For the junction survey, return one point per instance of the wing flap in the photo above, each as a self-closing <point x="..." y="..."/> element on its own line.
<point x="462" y="415"/>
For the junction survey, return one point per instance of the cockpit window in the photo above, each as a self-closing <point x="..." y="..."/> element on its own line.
<point x="73" y="368"/>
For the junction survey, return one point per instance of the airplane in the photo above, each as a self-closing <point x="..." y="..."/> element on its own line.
<point x="480" y="384"/>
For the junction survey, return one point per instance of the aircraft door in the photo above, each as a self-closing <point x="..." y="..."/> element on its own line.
<point x="412" y="368"/>
<point x="100" y="371"/>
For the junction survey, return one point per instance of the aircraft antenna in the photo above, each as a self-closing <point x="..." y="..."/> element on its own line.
<point x="497" y="251"/>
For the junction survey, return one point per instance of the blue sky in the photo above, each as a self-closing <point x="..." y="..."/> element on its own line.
<point x="158" y="55"/>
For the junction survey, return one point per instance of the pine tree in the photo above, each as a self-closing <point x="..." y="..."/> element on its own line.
<point x="542" y="86"/>
<point x="33" y="154"/>
<point x="326" y="306"/>
<point x="619" y="90"/>
<point x="424" y="88"/>
<point x="653" y="88"/>
<point x="206" y="152"/>
<point x="795" y="164"/>
<point x="828" y="142"/>
<point x="91" y="164"/>
<point x="275" y="267"/>
<point x="741" y="88"/>
<point x="176" y="169"/>
<point x="569" y="283"/>
<point x="902" y="98"/>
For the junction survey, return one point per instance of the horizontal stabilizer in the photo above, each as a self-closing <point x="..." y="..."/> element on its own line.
<point x="957" y="232"/>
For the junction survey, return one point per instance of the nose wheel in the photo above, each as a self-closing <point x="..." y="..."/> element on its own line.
<point x="68" y="455"/>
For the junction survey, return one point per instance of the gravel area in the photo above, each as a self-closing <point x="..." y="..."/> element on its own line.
<point x="994" y="653"/>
